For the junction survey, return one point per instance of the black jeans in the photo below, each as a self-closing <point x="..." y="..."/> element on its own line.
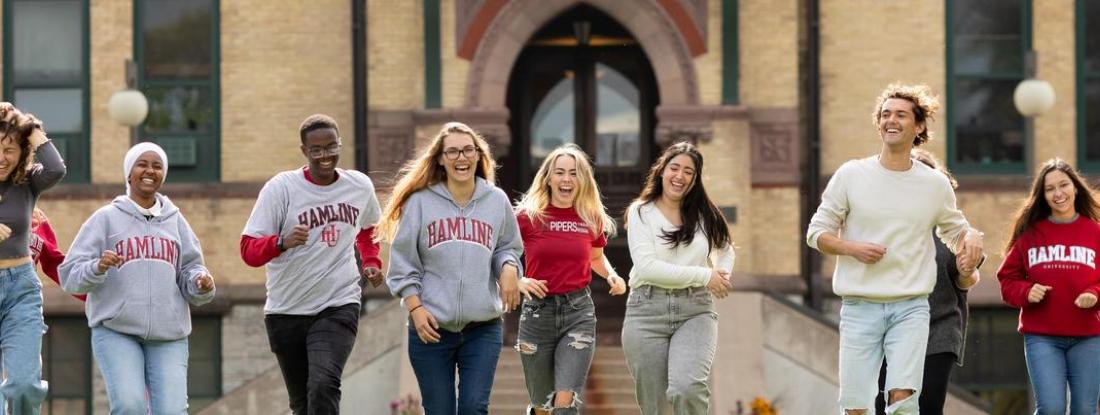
<point x="933" y="393"/>
<point x="312" y="351"/>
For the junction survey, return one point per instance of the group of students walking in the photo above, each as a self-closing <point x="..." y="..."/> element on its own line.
<point x="461" y="255"/>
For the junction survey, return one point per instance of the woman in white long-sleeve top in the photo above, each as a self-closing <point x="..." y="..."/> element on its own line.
<point x="683" y="255"/>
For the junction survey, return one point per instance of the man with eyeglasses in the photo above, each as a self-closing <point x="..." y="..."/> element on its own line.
<point x="303" y="227"/>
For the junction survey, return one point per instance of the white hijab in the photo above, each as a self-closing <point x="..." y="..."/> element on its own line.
<point x="128" y="164"/>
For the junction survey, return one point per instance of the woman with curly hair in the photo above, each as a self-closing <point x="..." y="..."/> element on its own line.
<point x="21" y="325"/>
<point x="564" y="227"/>
<point x="1050" y="274"/>
<point x="454" y="261"/>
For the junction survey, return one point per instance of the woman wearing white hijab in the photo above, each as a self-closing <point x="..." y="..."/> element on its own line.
<point x="140" y="264"/>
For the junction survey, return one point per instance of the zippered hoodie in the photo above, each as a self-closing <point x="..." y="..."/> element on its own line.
<point x="147" y="294"/>
<point x="452" y="256"/>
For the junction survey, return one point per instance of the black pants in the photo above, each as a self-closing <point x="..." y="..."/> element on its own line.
<point x="312" y="351"/>
<point x="933" y="394"/>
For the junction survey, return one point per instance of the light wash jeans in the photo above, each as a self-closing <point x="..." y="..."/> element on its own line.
<point x="21" y="329"/>
<point x="869" y="331"/>
<point x="557" y="340"/>
<point x="1054" y="361"/>
<point x="669" y="338"/>
<point x="130" y="366"/>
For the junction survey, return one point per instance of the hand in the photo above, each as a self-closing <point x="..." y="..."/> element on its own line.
<point x="1085" y="300"/>
<point x="373" y="275"/>
<point x="37" y="217"/>
<point x="425" y="324"/>
<point x="108" y="259"/>
<point x="297" y="236"/>
<point x="205" y="282"/>
<point x="509" y="287"/>
<point x="5" y="232"/>
<point x="531" y="287"/>
<point x="972" y="246"/>
<point x="1038" y="291"/>
<point x="965" y="265"/>
<point x="865" y="252"/>
<point x="8" y="113"/>
<point x="618" y="285"/>
<point x="719" y="284"/>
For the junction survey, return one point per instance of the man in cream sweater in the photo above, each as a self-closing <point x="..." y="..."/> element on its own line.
<point x="875" y="215"/>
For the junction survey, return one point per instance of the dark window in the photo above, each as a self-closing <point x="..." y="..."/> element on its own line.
<point x="46" y="72"/>
<point x="1088" y="85"/>
<point x="176" y="45"/>
<point x="67" y="366"/>
<point x="994" y="364"/>
<point x="204" y="363"/>
<point x="987" y="41"/>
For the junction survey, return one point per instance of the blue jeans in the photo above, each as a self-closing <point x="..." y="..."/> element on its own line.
<point x="1054" y="361"/>
<point x="21" y="329"/>
<point x="130" y="366"/>
<point x="870" y="331"/>
<point x="473" y="352"/>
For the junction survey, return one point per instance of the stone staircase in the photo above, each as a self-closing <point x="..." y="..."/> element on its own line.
<point x="609" y="391"/>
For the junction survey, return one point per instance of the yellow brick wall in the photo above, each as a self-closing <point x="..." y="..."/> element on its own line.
<point x="455" y="69"/>
<point x="708" y="66"/>
<point x="858" y="59"/>
<point x="217" y="222"/>
<point x="280" y="62"/>
<point x="1054" y="38"/>
<point x="768" y="52"/>
<point x="395" y="44"/>
<point x="112" y="44"/>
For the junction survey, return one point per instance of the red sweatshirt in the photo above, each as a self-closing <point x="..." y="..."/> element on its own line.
<point x="43" y="244"/>
<point x="259" y="251"/>
<point x="558" y="250"/>
<point x="1062" y="256"/>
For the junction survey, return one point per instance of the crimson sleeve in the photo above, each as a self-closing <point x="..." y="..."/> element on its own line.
<point x="1013" y="277"/>
<point x="51" y="257"/>
<point x="259" y="251"/>
<point x="368" y="249"/>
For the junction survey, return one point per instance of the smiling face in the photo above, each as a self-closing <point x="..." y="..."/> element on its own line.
<point x="459" y="157"/>
<point x="10" y="154"/>
<point x="1060" y="194"/>
<point x="147" y="175"/>
<point x="678" y="177"/>
<point x="897" y="123"/>
<point x="322" y="148"/>
<point x="563" y="182"/>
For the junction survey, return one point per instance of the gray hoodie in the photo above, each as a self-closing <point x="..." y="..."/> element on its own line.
<point x="147" y="295"/>
<point x="451" y="256"/>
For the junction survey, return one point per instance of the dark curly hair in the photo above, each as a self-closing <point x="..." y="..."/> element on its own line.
<point x="18" y="126"/>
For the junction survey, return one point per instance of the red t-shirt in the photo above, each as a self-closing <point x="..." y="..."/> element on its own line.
<point x="1062" y="256"/>
<point x="558" y="249"/>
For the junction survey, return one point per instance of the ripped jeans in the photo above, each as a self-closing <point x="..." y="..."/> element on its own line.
<point x="557" y="340"/>
<point x="871" y="331"/>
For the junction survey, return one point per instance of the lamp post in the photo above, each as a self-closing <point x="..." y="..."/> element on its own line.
<point x="1033" y="97"/>
<point x="129" y="106"/>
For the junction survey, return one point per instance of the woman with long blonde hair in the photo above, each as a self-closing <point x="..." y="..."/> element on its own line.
<point x="454" y="261"/>
<point x="564" y="227"/>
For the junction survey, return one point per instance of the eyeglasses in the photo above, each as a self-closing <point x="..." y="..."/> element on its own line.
<point x="452" y="153"/>
<point x="319" y="152"/>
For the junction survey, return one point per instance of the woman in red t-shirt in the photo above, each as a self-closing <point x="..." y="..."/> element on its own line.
<point x="1050" y="274"/>
<point x="564" y="226"/>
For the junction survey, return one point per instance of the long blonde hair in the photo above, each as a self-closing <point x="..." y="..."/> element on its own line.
<point x="424" y="171"/>
<point x="588" y="204"/>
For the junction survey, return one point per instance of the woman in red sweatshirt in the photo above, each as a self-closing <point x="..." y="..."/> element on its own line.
<point x="1050" y="274"/>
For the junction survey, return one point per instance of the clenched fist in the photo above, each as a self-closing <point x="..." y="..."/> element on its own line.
<point x="107" y="260"/>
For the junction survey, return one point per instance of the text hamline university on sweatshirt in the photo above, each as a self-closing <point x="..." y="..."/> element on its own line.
<point x="452" y="256"/>
<point x="866" y="202"/>
<point x="657" y="263"/>
<point x="147" y="294"/>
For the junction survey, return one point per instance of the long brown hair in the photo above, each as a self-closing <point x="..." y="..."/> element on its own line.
<point x="588" y="204"/>
<point x="424" y="171"/>
<point x="696" y="210"/>
<point x="19" y="127"/>
<point x="1035" y="207"/>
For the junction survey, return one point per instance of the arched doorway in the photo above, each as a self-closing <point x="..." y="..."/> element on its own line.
<point x="583" y="78"/>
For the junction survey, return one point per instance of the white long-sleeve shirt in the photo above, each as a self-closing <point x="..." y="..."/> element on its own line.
<point x="866" y="202"/>
<point x="657" y="263"/>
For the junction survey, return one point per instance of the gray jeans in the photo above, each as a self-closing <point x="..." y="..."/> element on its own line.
<point x="669" y="337"/>
<point x="557" y="339"/>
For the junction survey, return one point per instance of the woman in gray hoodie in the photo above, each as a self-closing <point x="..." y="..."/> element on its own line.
<point x="140" y="264"/>
<point x="454" y="261"/>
